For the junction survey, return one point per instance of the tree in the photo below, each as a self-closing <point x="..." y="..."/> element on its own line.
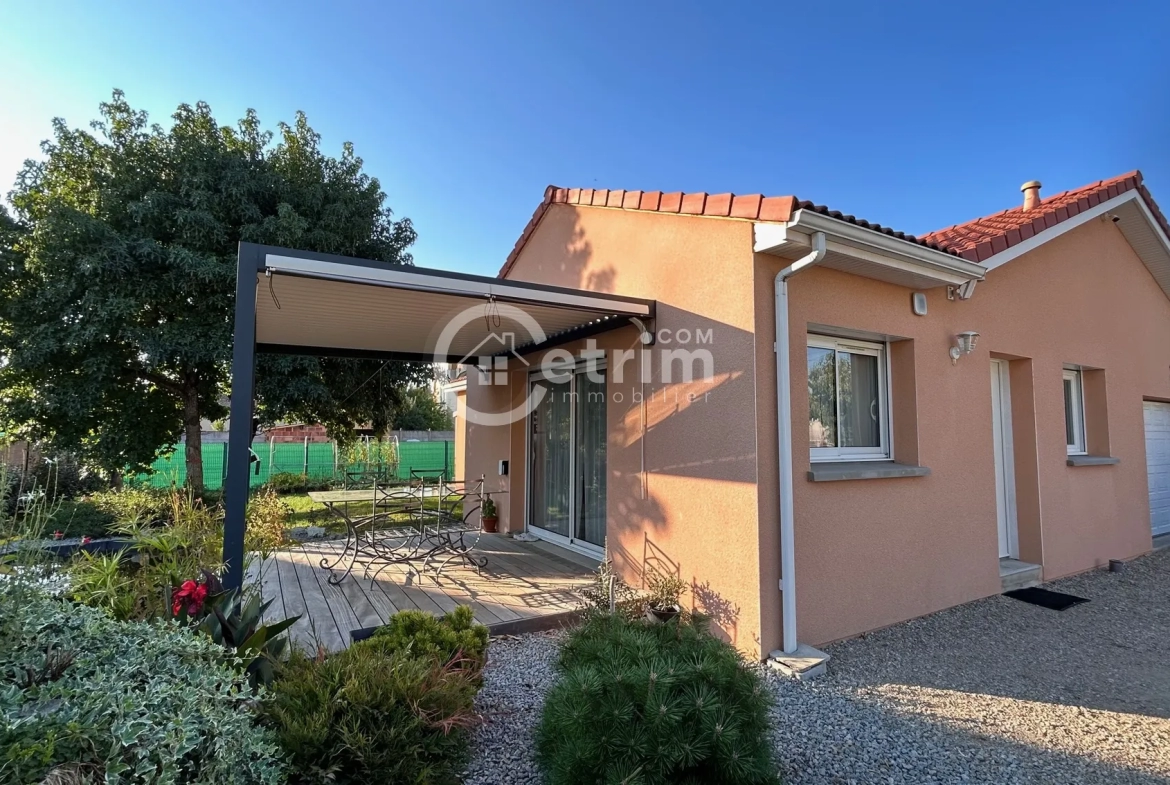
<point x="116" y="308"/>
<point x="340" y="394"/>
<point x="420" y="411"/>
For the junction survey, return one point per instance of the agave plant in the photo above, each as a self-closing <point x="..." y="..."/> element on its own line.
<point x="233" y="620"/>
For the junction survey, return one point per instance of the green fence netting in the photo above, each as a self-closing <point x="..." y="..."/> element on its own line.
<point x="317" y="460"/>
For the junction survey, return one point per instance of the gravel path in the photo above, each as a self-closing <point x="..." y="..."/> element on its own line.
<point x="995" y="691"/>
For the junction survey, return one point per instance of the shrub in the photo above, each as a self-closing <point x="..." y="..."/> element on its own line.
<point x="443" y="639"/>
<point x="665" y="591"/>
<point x="375" y="713"/>
<point x="608" y="593"/>
<point x="25" y="519"/>
<point x="133" y="504"/>
<point x="82" y="518"/>
<point x="135" y="583"/>
<point x="291" y="482"/>
<point x="84" y="695"/>
<point x="59" y="476"/>
<point x="653" y="703"/>
<point x="173" y="537"/>
<point x="288" y="482"/>
<point x="267" y="515"/>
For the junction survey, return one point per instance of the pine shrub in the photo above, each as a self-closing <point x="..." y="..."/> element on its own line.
<point x="392" y="709"/>
<point x="455" y="635"/>
<point x="644" y="704"/>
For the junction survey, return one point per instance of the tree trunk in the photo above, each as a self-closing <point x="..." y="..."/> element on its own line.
<point x="194" y="437"/>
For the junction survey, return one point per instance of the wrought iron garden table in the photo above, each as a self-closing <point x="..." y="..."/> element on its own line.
<point x="424" y="523"/>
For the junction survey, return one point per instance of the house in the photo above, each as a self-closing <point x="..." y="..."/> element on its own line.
<point x="831" y="426"/>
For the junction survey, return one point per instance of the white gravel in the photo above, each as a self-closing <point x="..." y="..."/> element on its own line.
<point x="518" y="673"/>
<point x="995" y="691"/>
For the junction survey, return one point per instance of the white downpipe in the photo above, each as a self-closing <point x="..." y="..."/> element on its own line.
<point x="784" y="431"/>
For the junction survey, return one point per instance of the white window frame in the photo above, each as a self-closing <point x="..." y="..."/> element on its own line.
<point x="1078" y="444"/>
<point x="880" y="351"/>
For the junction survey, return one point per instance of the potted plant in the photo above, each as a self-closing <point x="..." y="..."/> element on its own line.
<point x="488" y="515"/>
<point x="663" y="601"/>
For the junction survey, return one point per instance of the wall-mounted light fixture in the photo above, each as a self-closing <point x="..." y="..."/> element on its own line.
<point x="964" y="344"/>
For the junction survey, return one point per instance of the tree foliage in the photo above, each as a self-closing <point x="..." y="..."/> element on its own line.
<point x="119" y="278"/>
<point x="421" y="411"/>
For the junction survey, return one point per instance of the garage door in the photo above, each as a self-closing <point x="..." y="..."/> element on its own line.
<point x="1158" y="464"/>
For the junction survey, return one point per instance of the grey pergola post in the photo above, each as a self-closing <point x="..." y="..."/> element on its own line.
<point x="250" y="261"/>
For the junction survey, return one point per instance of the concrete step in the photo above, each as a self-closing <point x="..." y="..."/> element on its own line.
<point x="1016" y="574"/>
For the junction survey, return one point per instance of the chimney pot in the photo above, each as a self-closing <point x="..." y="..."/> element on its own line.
<point x="1031" y="191"/>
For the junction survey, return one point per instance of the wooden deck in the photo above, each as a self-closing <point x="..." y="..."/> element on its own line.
<point x="522" y="585"/>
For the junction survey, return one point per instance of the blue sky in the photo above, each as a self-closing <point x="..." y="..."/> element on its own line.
<point x="916" y="115"/>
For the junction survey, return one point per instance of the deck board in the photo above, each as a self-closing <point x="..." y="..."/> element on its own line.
<point x="521" y="581"/>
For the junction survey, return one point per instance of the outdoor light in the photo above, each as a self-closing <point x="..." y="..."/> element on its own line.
<point x="964" y="344"/>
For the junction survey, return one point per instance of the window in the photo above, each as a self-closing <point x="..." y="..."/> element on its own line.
<point x="848" y="417"/>
<point x="1074" y="412"/>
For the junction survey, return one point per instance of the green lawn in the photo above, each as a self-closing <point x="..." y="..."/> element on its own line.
<point x="307" y="512"/>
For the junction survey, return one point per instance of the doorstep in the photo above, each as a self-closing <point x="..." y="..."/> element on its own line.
<point x="1016" y="574"/>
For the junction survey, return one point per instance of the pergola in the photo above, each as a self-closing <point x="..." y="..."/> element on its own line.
<point x="300" y="302"/>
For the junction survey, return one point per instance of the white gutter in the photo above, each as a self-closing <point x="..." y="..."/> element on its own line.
<point x="860" y="238"/>
<point x="784" y="431"/>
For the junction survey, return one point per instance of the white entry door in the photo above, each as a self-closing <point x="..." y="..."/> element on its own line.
<point x="1005" y="468"/>
<point x="1158" y="464"/>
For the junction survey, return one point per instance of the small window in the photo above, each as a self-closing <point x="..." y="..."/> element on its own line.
<point x="848" y="419"/>
<point x="1074" y="412"/>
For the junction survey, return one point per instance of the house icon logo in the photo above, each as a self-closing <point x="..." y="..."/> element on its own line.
<point x="494" y="354"/>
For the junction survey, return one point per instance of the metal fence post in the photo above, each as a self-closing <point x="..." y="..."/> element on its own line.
<point x="306" y="471"/>
<point x="223" y="469"/>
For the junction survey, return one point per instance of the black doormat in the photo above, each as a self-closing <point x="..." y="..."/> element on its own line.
<point x="1053" y="600"/>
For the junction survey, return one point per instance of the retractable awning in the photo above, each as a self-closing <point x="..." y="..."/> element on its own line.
<point x="298" y="302"/>
<point x="319" y="304"/>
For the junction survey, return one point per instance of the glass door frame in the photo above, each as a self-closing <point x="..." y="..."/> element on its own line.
<point x="582" y="367"/>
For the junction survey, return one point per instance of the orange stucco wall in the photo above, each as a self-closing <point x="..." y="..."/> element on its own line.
<point x="682" y="472"/>
<point x="874" y="552"/>
<point x="693" y="484"/>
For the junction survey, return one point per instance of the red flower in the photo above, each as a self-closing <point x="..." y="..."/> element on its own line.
<point x="191" y="596"/>
<point x="86" y="539"/>
<point x="58" y="535"/>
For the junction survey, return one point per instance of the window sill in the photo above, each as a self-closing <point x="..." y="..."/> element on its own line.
<point x="863" y="470"/>
<point x="1092" y="460"/>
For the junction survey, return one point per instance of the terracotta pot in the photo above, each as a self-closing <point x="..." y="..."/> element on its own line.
<point x="491" y="524"/>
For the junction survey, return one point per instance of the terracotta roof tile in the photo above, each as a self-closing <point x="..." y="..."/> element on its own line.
<point x="980" y="238"/>
<point x="974" y="240"/>
<point x="753" y="207"/>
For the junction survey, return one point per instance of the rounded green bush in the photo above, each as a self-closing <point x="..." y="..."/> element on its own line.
<point x="644" y="704"/>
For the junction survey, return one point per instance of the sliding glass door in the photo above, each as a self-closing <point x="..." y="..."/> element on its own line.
<point x="567" y="468"/>
<point x="551" y="447"/>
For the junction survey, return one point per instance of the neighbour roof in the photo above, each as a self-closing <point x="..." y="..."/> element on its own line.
<point x="984" y="237"/>
<point x="975" y="240"/>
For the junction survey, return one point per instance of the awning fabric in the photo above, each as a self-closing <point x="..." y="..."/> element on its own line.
<point x="315" y="304"/>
